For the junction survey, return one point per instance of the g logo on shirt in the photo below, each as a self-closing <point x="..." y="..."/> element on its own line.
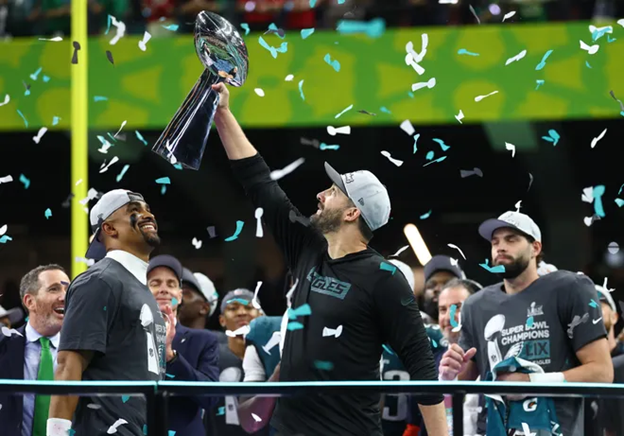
<point x="530" y="405"/>
<point x="327" y="285"/>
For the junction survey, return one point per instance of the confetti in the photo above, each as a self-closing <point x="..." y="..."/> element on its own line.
<point x="619" y="101"/>
<point x="46" y="79"/>
<point x="278" y="174"/>
<point x="438" y="160"/>
<point x="34" y="75"/>
<point x="306" y="32"/>
<point x="241" y="331"/>
<point x="468" y="173"/>
<point x="254" y="301"/>
<point x="74" y="59"/>
<point x="164" y="181"/>
<point x="516" y="58"/>
<point x="539" y="83"/>
<point x="424" y="216"/>
<point x="6" y="179"/>
<point x="481" y="97"/>
<point x="385" y="110"/>
<point x="274" y="29"/>
<point x="172" y="27"/>
<point x="283" y="48"/>
<point x="453" y="310"/>
<point x="510" y="147"/>
<point x="48" y="213"/>
<point x="323" y="365"/>
<point x="5" y="238"/>
<point x="258" y="215"/>
<point x="598" y="192"/>
<point x="55" y="120"/>
<point x="19" y="112"/>
<point x="593" y="304"/>
<point x="416" y="142"/>
<point x="104" y="167"/>
<point x="121" y="29"/>
<point x="7" y="99"/>
<point x="259" y="92"/>
<point x="553" y="137"/>
<point x="373" y="29"/>
<point x="542" y="63"/>
<point x="589" y="49"/>
<point x="273" y="341"/>
<point x="333" y="131"/>
<point x="9" y="332"/>
<point x="428" y="84"/>
<point x="239" y="229"/>
<point x="98" y="98"/>
<point x="457" y="248"/>
<point x="397" y="162"/>
<point x="385" y="266"/>
<point x="109" y="56"/>
<point x="587" y="64"/>
<point x="25" y="181"/>
<point x="40" y="134"/>
<point x="55" y="39"/>
<point x="125" y="398"/>
<point x="289" y="78"/>
<point x="400" y="250"/>
<point x="508" y="15"/>
<point x="344" y="111"/>
<point x="598" y="138"/>
<point x="221" y="411"/>
<point x="93" y="406"/>
<point x="245" y="27"/>
<point x="105" y="144"/>
<point x="212" y="232"/>
<point x="3" y="229"/>
<point x="362" y="111"/>
<point x="196" y="243"/>
<point x="496" y="269"/>
<point x="324" y="146"/>
<point x="407" y="127"/>
<point x="599" y="32"/>
<point x="332" y="332"/>
<point x="529" y="322"/>
<point x="256" y="417"/>
<point x="303" y="310"/>
<point x="91" y="195"/>
<point x="294" y="326"/>
<point x="463" y="51"/>
<point x="474" y="13"/>
<point x="113" y="428"/>
<point x="388" y="349"/>
<point x="301" y="90"/>
<point x="334" y="64"/>
<point x="460" y="116"/>
<point x="443" y="146"/>
<point x="143" y="43"/>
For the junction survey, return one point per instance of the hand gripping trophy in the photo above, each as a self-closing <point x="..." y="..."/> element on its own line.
<point x="223" y="52"/>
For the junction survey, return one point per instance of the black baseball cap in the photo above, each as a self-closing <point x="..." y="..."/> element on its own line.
<point x="442" y="263"/>
<point x="167" y="261"/>
<point x="189" y="279"/>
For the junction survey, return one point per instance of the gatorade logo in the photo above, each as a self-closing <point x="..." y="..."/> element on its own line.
<point x="349" y="177"/>
<point x="530" y="405"/>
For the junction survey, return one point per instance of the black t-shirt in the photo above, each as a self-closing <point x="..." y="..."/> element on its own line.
<point x="108" y="311"/>
<point x="373" y="304"/>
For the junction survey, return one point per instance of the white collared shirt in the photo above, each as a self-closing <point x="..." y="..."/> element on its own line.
<point x="136" y="266"/>
<point x="32" y="356"/>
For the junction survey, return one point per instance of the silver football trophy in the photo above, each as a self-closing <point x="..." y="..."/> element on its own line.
<point x="223" y="53"/>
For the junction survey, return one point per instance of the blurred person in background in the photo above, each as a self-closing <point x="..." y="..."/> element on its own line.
<point x="192" y="355"/>
<point x="612" y="319"/>
<point x="200" y="302"/>
<point x="8" y="318"/>
<point x="187" y="11"/>
<point x="159" y="14"/>
<point x="237" y="312"/>
<point x="30" y="352"/>
<point x="22" y="17"/>
<point x="438" y="271"/>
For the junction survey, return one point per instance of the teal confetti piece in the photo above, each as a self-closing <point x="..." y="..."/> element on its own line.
<point x="245" y="27"/>
<point x="178" y="166"/>
<point x="622" y="113"/>
<point x="430" y="155"/>
<point x="46" y="79"/>
<point x="171" y="432"/>
<point x="71" y="432"/>
<point x="104" y="308"/>
<point x="125" y="398"/>
<point x="174" y="301"/>
<point x="238" y="300"/>
<point x="416" y="136"/>
<point x="529" y="321"/>
<point x="598" y="193"/>
<point x="303" y="310"/>
<point x="539" y="83"/>
<point x="388" y="349"/>
<point x="301" y="90"/>
<point x="548" y="138"/>
<point x="324" y="146"/>
<point x="453" y="310"/>
<point x="323" y="365"/>
<point x="554" y="135"/>
<point x="434" y="344"/>
<point x="593" y="304"/>
<point x="108" y="24"/>
<point x="373" y="29"/>
<point x="25" y="181"/>
<point x="48" y="213"/>
<point x="122" y="173"/>
<point x="27" y="92"/>
<point x="221" y="411"/>
<point x="542" y="63"/>
<point x="239" y="229"/>
<point x="438" y="160"/>
<point x="599" y="33"/>
<point x="312" y="3"/>
<point x="111" y="137"/>
<point x="169" y="375"/>
<point x="587" y="64"/>
<point x="443" y="146"/>
<point x="411" y="94"/>
<point x="283" y="48"/>
<point x="294" y="326"/>
<point x="424" y="216"/>
<point x="99" y="98"/>
<point x="306" y="32"/>
<point x="163" y="189"/>
<point x="34" y="75"/>
<point x="19" y="112"/>
<point x="164" y="181"/>
<point x="5" y="238"/>
<point x="463" y="51"/>
<point x="145" y="429"/>
<point x="172" y="27"/>
<point x="496" y="269"/>
<point x="332" y="63"/>
<point x="55" y="121"/>
<point x="140" y="137"/>
<point x="340" y="2"/>
<point x="385" y="266"/>
<point x="619" y="202"/>
<point x="385" y="110"/>
<point x="273" y="27"/>
<point x="609" y="39"/>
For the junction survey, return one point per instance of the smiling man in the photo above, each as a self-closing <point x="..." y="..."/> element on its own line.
<point x="30" y="352"/>
<point x="113" y="328"/>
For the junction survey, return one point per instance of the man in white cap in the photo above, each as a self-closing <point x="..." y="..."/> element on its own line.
<point x="545" y="321"/>
<point x="200" y="301"/>
<point x="348" y="300"/>
<point x="113" y="327"/>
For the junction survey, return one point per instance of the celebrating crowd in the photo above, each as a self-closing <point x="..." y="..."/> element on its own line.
<point x="352" y="315"/>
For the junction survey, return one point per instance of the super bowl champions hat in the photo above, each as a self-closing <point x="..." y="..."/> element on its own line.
<point x="366" y="192"/>
<point x="237" y="294"/>
<point x="104" y="208"/>
<point x="515" y="220"/>
<point x="441" y="262"/>
<point x="208" y="290"/>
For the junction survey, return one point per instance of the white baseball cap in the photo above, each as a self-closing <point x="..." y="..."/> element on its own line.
<point x="208" y="290"/>
<point x="366" y="192"/>
<point x="15" y="315"/>
<point x="104" y="208"/>
<point x="515" y="220"/>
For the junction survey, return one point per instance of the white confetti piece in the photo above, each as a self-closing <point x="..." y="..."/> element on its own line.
<point x="42" y="132"/>
<point x="121" y="30"/>
<point x="508" y="15"/>
<point x="460" y="116"/>
<point x="511" y="148"/>
<point x="400" y="250"/>
<point x="254" y="301"/>
<point x="588" y="195"/>
<point x="333" y="131"/>
<point x="589" y="49"/>
<point x="142" y="43"/>
<point x="256" y="417"/>
<point x="278" y="174"/>
<point x="454" y="262"/>
<point x="91" y="194"/>
<point x="9" y="332"/>
<point x="120" y="129"/>
<point x="407" y="127"/>
<point x="258" y="215"/>
<point x="55" y="39"/>
<point x="332" y="332"/>
<point x="458" y="249"/>
<point x="113" y="428"/>
<point x="88" y="262"/>
<point x="6" y="179"/>
<point x="428" y="84"/>
<point x="478" y="98"/>
<point x="212" y="232"/>
<point x="196" y="243"/>
<point x="345" y="110"/>
<point x="93" y="406"/>
<point x="588" y="220"/>
<point x="104" y="167"/>
<point x="7" y="99"/>
<point x="620" y="22"/>
<point x="409" y="60"/>
<point x="391" y="159"/>
<point x="242" y="331"/>
<point x="458" y="327"/>
<point x="516" y="57"/>
<point x="289" y="78"/>
<point x="3" y="229"/>
<point x="518" y="205"/>
<point x="78" y="182"/>
<point x="598" y="138"/>
<point x="275" y="339"/>
<point x="259" y="92"/>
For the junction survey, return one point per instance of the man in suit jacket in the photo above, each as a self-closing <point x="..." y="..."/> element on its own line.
<point x="193" y="354"/>
<point x="42" y="291"/>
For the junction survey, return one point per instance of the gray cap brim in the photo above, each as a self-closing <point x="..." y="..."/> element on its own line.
<point x="334" y="176"/>
<point x="488" y="227"/>
<point x="96" y="250"/>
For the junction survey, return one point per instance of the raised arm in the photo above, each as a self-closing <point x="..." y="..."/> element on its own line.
<point x="236" y="144"/>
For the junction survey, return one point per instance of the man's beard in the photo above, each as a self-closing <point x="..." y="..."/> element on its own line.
<point x="515" y="268"/>
<point x="153" y="240"/>
<point x="328" y="221"/>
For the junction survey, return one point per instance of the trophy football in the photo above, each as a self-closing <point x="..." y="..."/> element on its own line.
<point x="223" y="53"/>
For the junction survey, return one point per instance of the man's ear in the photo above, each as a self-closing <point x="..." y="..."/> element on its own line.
<point x="29" y="302"/>
<point x="537" y="248"/>
<point x="222" y="321"/>
<point x="352" y="214"/>
<point x="109" y="229"/>
<point x="205" y="309"/>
